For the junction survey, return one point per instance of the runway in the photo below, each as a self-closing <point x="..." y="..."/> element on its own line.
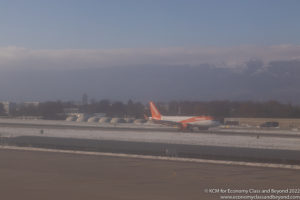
<point x="159" y="149"/>
<point x="152" y="140"/>
<point x="54" y="124"/>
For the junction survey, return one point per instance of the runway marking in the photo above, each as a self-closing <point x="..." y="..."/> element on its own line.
<point x="164" y="158"/>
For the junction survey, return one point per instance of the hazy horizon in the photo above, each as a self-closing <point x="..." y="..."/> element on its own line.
<point x="150" y="50"/>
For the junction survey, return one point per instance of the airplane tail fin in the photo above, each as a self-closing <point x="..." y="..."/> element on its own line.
<point x="154" y="111"/>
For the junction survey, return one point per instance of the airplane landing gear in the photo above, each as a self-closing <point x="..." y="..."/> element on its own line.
<point x="186" y="128"/>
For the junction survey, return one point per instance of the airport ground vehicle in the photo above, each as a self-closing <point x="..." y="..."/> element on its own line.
<point x="269" y="124"/>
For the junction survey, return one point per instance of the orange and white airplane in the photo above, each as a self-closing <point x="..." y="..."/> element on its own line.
<point x="182" y="122"/>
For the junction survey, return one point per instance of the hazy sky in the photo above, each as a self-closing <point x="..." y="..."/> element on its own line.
<point x="110" y="24"/>
<point x="60" y="49"/>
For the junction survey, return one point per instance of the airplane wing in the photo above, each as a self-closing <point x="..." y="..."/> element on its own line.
<point x="167" y="123"/>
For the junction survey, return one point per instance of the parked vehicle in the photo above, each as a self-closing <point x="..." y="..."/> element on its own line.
<point x="269" y="124"/>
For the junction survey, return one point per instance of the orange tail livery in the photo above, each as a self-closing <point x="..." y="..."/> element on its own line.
<point x="154" y="111"/>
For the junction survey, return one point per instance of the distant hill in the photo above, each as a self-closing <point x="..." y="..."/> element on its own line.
<point x="278" y="80"/>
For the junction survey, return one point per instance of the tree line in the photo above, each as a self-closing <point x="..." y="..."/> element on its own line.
<point x="222" y="109"/>
<point x="58" y="109"/>
<point x="217" y="109"/>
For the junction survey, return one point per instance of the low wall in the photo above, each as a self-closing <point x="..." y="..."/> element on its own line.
<point x="283" y="122"/>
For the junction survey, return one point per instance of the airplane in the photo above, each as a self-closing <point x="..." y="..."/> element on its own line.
<point x="182" y="122"/>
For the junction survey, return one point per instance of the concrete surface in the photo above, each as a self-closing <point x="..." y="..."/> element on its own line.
<point x="40" y="175"/>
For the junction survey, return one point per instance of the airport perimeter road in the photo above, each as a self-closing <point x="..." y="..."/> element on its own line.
<point x="44" y="175"/>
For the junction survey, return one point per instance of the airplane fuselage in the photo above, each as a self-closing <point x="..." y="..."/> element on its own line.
<point x="183" y="122"/>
